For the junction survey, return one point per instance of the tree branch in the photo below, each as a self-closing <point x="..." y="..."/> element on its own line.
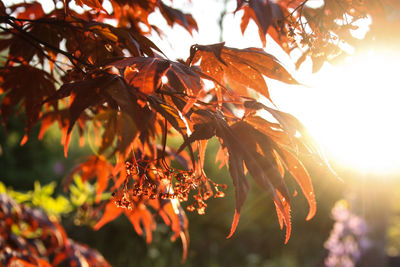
<point x="74" y="60"/>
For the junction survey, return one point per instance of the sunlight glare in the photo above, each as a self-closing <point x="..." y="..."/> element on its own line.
<point x="357" y="117"/>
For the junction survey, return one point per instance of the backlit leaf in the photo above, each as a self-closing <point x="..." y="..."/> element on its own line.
<point x="300" y="174"/>
<point x="111" y="213"/>
<point x="145" y="74"/>
<point x="140" y="215"/>
<point x="95" y="167"/>
<point x="240" y="69"/>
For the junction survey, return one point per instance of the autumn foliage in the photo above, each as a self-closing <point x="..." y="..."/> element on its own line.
<point x="111" y="81"/>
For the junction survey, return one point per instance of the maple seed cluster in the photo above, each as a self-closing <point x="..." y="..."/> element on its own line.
<point x="199" y="203"/>
<point x="166" y="184"/>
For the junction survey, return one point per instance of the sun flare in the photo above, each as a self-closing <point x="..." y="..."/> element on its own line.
<point x="357" y="115"/>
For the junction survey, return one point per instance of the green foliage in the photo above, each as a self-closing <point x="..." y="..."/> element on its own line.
<point x="81" y="192"/>
<point x="42" y="197"/>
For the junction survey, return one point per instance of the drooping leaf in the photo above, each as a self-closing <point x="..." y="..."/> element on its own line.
<point x="284" y="215"/>
<point x="111" y="212"/>
<point x="242" y="143"/>
<point x="170" y="114"/>
<point x="173" y="215"/>
<point x="16" y="83"/>
<point x="300" y="174"/>
<point x="92" y="93"/>
<point x="140" y="215"/>
<point x="288" y="158"/>
<point x="95" y="4"/>
<point x="272" y="130"/>
<point x="240" y="69"/>
<point x="263" y="168"/>
<point x="133" y="14"/>
<point x="173" y="15"/>
<point x="144" y="73"/>
<point x="294" y="129"/>
<point x="270" y="17"/>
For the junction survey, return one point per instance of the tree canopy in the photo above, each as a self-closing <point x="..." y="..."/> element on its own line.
<point x="96" y="70"/>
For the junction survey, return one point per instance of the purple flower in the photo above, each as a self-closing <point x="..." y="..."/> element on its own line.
<point x="348" y="239"/>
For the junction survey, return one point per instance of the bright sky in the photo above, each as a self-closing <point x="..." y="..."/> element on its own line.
<point x="352" y="111"/>
<point x="207" y="14"/>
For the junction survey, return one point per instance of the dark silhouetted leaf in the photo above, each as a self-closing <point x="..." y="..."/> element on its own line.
<point x="173" y="15"/>
<point x="28" y="85"/>
<point x="269" y="17"/>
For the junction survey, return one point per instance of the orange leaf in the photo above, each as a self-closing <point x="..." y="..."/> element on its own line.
<point x="95" y="166"/>
<point x="32" y="11"/>
<point x="66" y="144"/>
<point x="283" y="211"/>
<point x="173" y="215"/>
<point x="222" y="157"/>
<point x="145" y="74"/>
<point x="14" y="261"/>
<point x="143" y="215"/>
<point x="272" y="130"/>
<point x="185" y="244"/>
<point x="234" y="224"/>
<point x="300" y="174"/>
<point x="169" y="209"/>
<point x="111" y="212"/>
<point x="43" y="263"/>
<point x="241" y="69"/>
<point x="202" y="154"/>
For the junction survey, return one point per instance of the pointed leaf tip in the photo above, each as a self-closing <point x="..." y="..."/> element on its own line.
<point x="66" y="144"/>
<point x="111" y="212"/>
<point x="234" y="224"/>
<point x="283" y="213"/>
<point x="310" y="215"/>
<point x="287" y="235"/>
<point x="24" y="140"/>
<point x="185" y="243"/>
